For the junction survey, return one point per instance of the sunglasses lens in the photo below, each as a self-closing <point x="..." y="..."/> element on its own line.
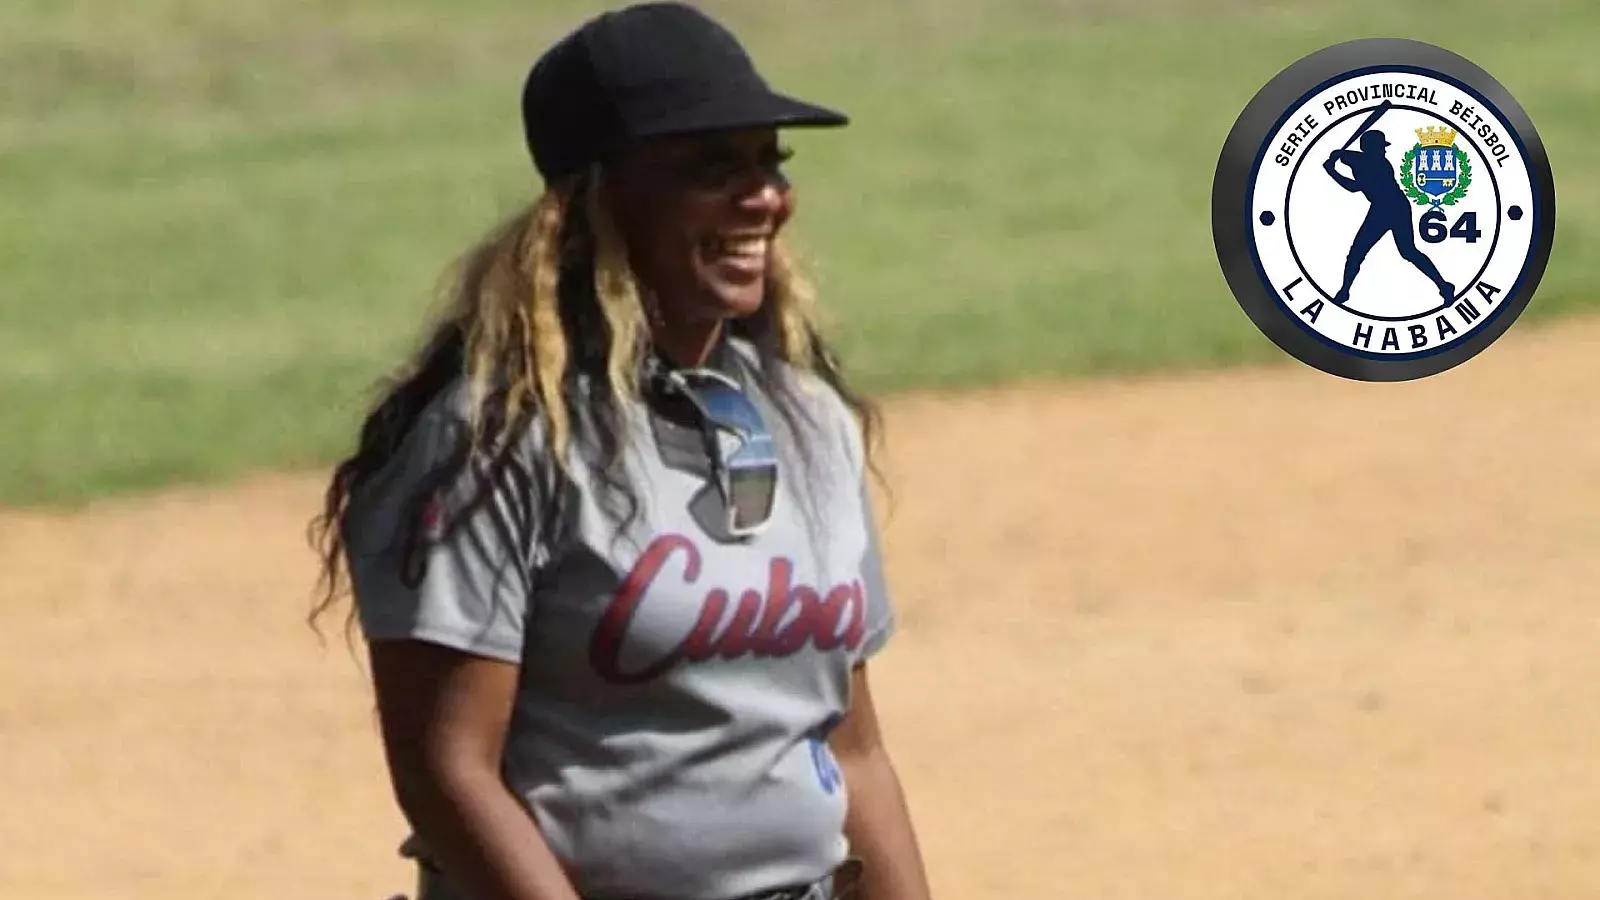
<point x="751" y="493"/>
<point x="730" y="409"/>
<point x="744" y="450"/>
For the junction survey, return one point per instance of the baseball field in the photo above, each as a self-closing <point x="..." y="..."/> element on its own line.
<point x="1191" y="620"/>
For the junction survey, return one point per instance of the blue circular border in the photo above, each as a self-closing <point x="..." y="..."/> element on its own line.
<point x="1240" y="156"/>
<point x="1477" y="326"/>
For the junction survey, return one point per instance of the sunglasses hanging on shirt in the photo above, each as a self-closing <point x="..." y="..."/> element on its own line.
<point x="744" y="465"/>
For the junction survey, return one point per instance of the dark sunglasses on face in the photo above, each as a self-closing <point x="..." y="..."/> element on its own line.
<point x="743" y="462"/>
<point x="718" y="169"/>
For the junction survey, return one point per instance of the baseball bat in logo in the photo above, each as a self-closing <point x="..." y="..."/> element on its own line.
<point x="1383" y="210"/>
<point x="1372" y="120"/>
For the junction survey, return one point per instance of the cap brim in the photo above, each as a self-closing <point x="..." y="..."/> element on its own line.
<point x="767" y="109"/>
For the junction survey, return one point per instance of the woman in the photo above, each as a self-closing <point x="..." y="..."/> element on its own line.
<point x="609" y="537"/>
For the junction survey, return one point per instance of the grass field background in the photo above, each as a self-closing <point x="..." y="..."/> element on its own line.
<point x="222" y="221"/>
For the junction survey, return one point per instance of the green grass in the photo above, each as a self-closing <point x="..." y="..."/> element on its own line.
<point x="222" y="221"/>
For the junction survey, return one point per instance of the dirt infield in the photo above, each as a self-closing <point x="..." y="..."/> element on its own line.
<point x="1249" y="635"/>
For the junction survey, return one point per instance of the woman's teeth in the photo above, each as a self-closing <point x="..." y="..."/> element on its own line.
<point x="741" y="247"/>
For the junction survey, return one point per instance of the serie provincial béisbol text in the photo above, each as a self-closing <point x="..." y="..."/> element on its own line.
<point x="1307" y="126"/>
<point x="1467" y="113"/>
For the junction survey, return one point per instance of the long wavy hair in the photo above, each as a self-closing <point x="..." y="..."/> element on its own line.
<point x="545" y="325"/>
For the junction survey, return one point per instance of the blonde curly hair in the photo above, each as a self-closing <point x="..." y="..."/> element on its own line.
<point x="546" y="295"/>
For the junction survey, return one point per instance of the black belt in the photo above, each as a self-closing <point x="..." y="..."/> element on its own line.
<point x="841" y="884"/>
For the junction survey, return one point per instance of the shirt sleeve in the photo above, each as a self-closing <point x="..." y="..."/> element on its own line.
<point x="880" y="622"/>
<point x="880" y="617"/>
<point x="469" y="586"/>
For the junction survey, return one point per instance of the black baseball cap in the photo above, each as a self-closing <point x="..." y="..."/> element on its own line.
<point x="648" y="70"/>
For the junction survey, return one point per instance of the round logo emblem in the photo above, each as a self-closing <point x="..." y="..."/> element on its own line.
<point x="1383" y="210"/>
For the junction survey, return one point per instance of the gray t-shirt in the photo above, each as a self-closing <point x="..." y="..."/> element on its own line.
<point x="677" y="689"/>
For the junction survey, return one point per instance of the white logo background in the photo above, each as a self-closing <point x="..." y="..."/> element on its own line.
<point x="1321" y="218"/>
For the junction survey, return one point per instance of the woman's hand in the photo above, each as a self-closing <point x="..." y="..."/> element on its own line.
<point x="444" y="715"/>
<point x="878" y="823"/>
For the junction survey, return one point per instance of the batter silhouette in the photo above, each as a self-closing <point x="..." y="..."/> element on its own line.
<point x="1390" y="212"/>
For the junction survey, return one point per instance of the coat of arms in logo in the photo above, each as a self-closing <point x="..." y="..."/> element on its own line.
<point x="1383" y="210"/>
<point x="1436" y="172"/>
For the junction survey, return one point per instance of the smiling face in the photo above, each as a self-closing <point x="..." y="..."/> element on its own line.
<point x="699" y="214"/>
